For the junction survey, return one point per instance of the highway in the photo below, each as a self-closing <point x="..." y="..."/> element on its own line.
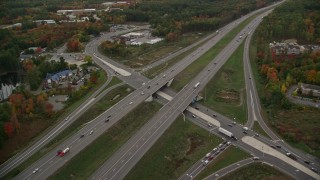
<point x="156" y="126"/>
<point x="49" y="163"/>
<point x="51" y="133"/>
<point x="130" y="153"/>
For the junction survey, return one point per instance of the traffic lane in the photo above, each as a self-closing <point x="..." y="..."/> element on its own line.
<point x="120" y="172"/>
<point x="271" y="151"/>
<point x="230" y="168"/>
<point x="87" y="129"/>
<point x="59" y="128"/>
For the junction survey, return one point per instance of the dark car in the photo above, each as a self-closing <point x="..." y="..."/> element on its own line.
<point x="107" y="120"/>
<point x="245" y="132"/>
<point x="307" y="162"/>
<point x="278" y="146"/>
<point x="197" y="108"/>
<point x="82" y="136"/>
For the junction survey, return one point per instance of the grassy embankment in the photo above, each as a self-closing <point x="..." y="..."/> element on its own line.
<point x="97" y="109"/>
<point x="256" y="171"/>
<point x="182" y="144"/>
<point x="92" y="157"/>
<point x="226" y="91"/>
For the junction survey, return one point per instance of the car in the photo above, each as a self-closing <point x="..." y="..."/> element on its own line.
<point x="197" y="108"/>
<point x="314" y="170"/>
<point x="142" y="93"/>
<point x="234" y="123"/>
<point x="143" y="84"/>
<point x="214" y="115"/>
<point x="59" y="152"/>
<point x="222" y="148"/>
<point x="67" y="118"/>
<point x="193" y="116"/>
<point x="82" y="135"/>
<point x="209" y="125"/>
<point x="273" y="146"/>
<point x="131" y="102"/>
<point x="148" y="87"/>
<point x="36" y="170"/>
<point x="205" y="162"/>
<point x="164" y="76"/>
<point x="224" y="142"/>
<point x="107" y="120"/>
<point x="307" y="162"/>
<point x="256" y="134"/>
<point x="228" y="143"/>
<point x="208" y="155"/>
<point x="220" y="145"/>
<point x="230" y="125"/>
<point x="255" y="158"/>
<point x="109" y="116"/>
<point x="245" y="132"/>
<point x="91" y="132"/>
<point x="211" y="157"/>
<point x="214" y="149"/>
<point x="278" y="146"/>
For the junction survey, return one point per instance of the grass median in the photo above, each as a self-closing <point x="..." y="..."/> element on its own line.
<point x="92" y="157"/>
<point x="257" y="171"/>
<point x="229" y="156"/>
<point x="182" y="144"/>
<point x="95" y="110"/>
<point x="226" y="92"/>
<point x="194" y="68"/>
<point x="153" y="72"/>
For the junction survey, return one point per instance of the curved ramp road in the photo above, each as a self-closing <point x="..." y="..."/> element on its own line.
<point x="268" y="150"/>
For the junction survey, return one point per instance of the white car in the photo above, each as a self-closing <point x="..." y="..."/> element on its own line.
<point x="36" y="170"/>
<point x="131" y="102"/>
<point x="91" y="132"/>
<point x="205" y="162"/>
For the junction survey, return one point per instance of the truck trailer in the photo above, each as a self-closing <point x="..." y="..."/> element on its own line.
<point x="63" y="152"/>
<point x="225" y="132"/>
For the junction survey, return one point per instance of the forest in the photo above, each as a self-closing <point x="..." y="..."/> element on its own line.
<point x="295" y="19"/>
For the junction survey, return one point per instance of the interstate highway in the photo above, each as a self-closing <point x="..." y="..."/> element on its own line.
<point x="49" y="163"/>
<point x="130" y="153"/>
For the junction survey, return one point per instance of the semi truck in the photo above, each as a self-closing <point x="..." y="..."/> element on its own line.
<point x="63" y="152"/>
<point x="198" y="83"/>
<point x="227" y="133"/>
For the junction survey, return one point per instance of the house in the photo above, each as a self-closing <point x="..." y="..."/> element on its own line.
<point x="6" y="90"/>
<point x="306" y="89"/>
<point x="43" y="22"/>
<point x="293" y="49"/>
<point x="54" y="79"/>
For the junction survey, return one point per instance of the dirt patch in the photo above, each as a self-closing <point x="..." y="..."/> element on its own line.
<point x="194" y="143"/>
<point x="228" y="96"/>
<point x="227" y="74"/>
<point x="19" y="140"/>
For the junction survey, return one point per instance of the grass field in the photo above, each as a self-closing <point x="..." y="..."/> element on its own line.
<point x="92" y="157"/>
<point x="256" y="171"/>
<point x="146" y="54"/>
<point x="175" y="151"/>
<point x="229" y="156"/>
<point x="226" y="92"/>
<point x="194" y="68"/>
<point x="153" y="72"/>
<point x="97" y="109"/>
